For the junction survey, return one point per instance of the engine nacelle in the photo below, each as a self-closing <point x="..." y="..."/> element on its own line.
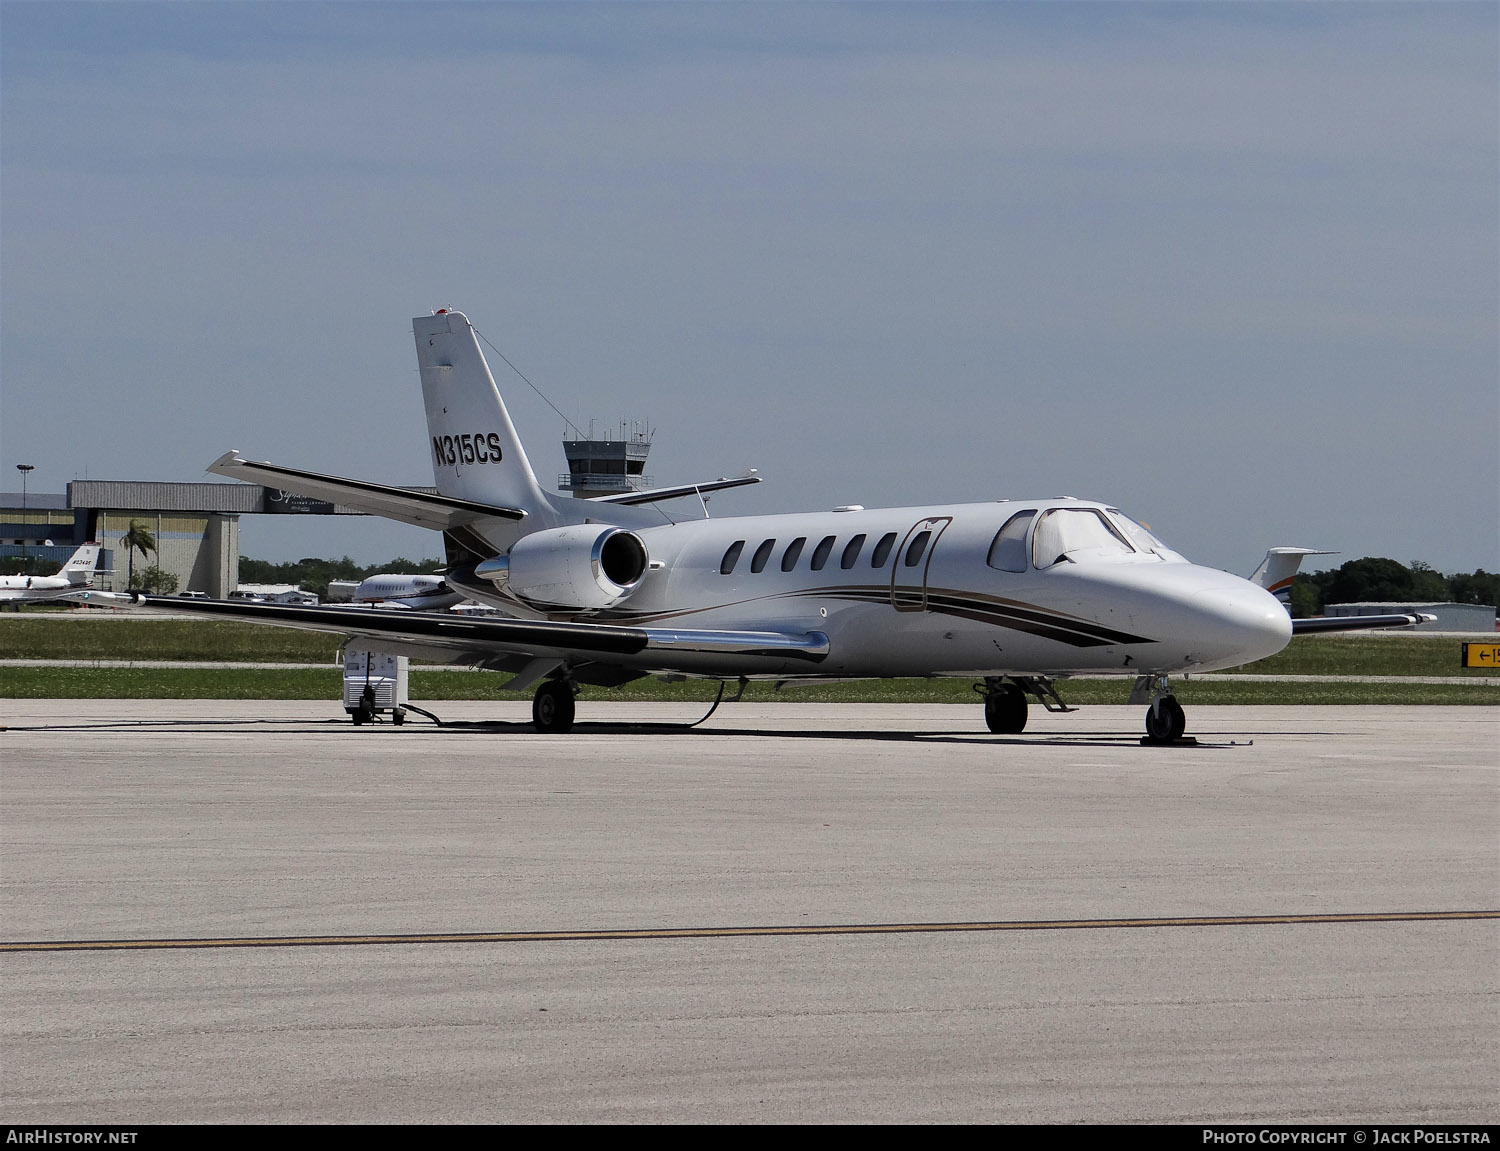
<point x="580" y="568"/>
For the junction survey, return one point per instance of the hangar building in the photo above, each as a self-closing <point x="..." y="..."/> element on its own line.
<point x="196" y="525"/>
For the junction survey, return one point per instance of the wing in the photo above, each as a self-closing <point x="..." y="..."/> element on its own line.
<point x="421" y="509"/>
<point x="1322" y="623"/>
<point x="498" y="642"/>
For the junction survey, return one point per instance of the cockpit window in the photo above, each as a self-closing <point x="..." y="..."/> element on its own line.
<point x="1060" y="531"/>
<point x="1138" y="534"/>
<point x="1008" y="552"/>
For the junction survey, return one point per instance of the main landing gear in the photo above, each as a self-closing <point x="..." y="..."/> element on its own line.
<point x="1004" y="707"/>
<point x="1005" y="704"/>
<point x="552" y="707"/>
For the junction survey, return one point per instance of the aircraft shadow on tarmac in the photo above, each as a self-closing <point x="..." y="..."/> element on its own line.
<point x="493" y="727"/>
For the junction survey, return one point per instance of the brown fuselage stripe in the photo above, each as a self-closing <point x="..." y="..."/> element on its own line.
<point x="731" y="932"/>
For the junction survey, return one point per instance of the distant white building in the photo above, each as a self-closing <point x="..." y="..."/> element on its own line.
<point x="1465" y="617"/>
<point x="274" y="593"/>
<point x="342" y="590"/>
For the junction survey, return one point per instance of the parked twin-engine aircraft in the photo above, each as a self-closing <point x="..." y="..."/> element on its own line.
<point x="70" y="584"/>
<point x="405" y="593"/>
<point x="602" y="591"/>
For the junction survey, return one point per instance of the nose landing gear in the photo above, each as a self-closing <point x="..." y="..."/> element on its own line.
<point x="1165" y="720"/>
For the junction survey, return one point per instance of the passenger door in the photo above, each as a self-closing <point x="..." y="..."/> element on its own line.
<point x="912" y="561"/>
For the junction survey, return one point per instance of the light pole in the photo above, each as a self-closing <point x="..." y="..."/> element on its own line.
<point x="25" y="470"/>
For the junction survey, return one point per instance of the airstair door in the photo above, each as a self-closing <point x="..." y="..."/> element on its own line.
<point x="912" y="562"/>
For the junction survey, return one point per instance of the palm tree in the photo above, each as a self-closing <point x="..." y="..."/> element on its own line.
<point x="139" y="538"/>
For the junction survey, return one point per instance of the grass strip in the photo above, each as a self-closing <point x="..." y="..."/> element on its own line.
<point x="50" y="637"/>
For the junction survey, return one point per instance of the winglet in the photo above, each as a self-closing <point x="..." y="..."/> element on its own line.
<point x="221" y="465"/>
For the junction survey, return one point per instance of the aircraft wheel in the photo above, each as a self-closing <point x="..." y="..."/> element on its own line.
<point x="552" y="707"/>
<point x="1005" y="710"/>
<point x="1165" y="720"/>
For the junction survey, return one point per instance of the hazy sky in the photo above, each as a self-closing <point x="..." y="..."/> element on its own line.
<point x="1234" y="267"/>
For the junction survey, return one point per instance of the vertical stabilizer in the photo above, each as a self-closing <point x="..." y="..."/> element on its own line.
<point x="1277" y="570"/>
<point x="476" y="454"/>
<point x="79" y="570"/>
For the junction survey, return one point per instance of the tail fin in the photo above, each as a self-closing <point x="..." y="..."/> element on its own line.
<point x="81" y="565"/>
<point x="1278" y="569"/>
<point x="476" y="454"/>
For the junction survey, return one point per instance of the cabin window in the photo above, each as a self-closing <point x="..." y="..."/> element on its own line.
<point x="918" y="546"/>
<point x="883" y="549"/>
<point x="762" y="554"/>
<point x="731" y="557"/>
<point x="1061" y="531"/>
<point x="851" y="551"/>
<point x="1008" y="552"/>
<point x="821" y="552"/>
<point x="793" y="550"/>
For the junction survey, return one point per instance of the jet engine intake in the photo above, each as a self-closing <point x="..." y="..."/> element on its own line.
<point x="580" y="568"/>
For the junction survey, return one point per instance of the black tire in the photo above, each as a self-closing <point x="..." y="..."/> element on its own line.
<point x="1005" y="710"/>
<point x="361" y="716"/>
<point x="398" y="717"/>
<point x="1165" y="720"/>
<point x="552" y="707"/>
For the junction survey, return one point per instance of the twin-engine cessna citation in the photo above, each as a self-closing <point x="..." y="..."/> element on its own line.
<point x="1012" y="593"/>
<point x="70" y="584"/>
<point x="405" y="593"/>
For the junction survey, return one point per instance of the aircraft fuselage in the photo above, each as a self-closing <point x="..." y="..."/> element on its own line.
<point x="938" y="605"/>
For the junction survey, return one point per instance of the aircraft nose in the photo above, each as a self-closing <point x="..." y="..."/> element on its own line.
<point x="1245" y="624"/>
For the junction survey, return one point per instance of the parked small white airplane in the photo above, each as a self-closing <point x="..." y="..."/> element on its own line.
<point x="69" y="584"/>
<point x="405" y="592"/>
<point x="602" y="591"/>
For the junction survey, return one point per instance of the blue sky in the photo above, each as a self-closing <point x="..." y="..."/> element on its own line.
<point x="1231" y="267"/>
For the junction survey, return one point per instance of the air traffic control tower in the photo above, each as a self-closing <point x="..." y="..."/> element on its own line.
<point x="609" y="466"/>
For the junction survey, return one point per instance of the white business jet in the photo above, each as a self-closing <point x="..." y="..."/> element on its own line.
<point x="1013" y="593"/>
<point x="69" y="584"/>
<point x="405" y="593"/>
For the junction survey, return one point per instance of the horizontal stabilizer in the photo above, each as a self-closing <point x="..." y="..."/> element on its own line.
<point x="1323" y="623"/>
<point x="420" y="509"/>
<point x="652" y="495"/>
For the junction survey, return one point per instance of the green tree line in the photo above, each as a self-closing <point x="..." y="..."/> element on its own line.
<point x="314" y="575"/>
<point x="1376" y="579"/>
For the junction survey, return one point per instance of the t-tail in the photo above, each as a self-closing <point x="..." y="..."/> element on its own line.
<point x="476" y="454"/>
<point x="79" y="570"/>
<point x="1279" y="569"/>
